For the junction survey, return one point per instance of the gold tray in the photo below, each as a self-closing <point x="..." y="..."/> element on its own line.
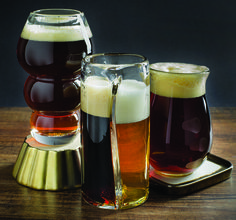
<point x="44" y="167"/>
<point x="213" y="170"/>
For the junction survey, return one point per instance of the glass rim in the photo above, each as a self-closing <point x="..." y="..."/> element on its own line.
<point x="88" y="58"/>
<point x="205" y="70"/>
<point x="61" y="12"/>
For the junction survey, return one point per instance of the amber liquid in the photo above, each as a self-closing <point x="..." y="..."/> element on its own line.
<point x="58" y="124"/>
<point x="180" y="133"/>
<point x="133" y="144"/>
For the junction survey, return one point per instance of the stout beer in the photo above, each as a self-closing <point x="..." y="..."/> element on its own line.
<point x="98" y="180"/>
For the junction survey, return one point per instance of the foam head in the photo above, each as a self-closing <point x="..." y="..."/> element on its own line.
<point x="96" y="96"/>
<point x="132" y="101"/>
<point x="50" y="30"/>
<point x="178" y="80"/>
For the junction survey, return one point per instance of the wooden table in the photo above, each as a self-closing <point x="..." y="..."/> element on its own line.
<point x="19" y="202"/>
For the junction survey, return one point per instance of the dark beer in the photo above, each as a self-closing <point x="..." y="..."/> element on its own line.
<point x="180" y="125"/>
<point x="180" y="133"/>
<point x="51" y="59"/>
<point x="98" y="181"/>
<point x="51" y="52"/>
<point x="98" y="169"/>
<point x="48" y="94"/>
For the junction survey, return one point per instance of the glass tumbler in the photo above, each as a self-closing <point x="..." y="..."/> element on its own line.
<point x="180" y="124"/>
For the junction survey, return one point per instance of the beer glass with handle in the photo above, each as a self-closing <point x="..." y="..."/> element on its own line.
<point x="51" y="47"/>
<point x="115" y="106"/>
<point x="180" y="125"/>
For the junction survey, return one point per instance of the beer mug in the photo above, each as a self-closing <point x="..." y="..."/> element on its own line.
<point x="180" y="125"/>
<point x="115" y="109"/>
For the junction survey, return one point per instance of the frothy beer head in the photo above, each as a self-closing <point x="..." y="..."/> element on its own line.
<point x="52" y="33"/>
<point x="178" y="80"/>
<point x="132" y="102"/>
<point x="96" y="96"/>
<point x="132" y="99"/>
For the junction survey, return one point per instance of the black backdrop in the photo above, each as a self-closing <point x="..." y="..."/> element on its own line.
<point x="201" y="32"/>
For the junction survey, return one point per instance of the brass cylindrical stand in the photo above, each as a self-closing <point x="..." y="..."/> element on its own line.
<point x="44" y="167"/>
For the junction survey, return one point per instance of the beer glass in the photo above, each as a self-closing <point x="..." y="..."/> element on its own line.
<point x="115" y="109"/>
<point x="180" y="125"/>
<point x="50" y="48"/>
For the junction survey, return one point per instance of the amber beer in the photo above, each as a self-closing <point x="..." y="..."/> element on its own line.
<point x="132" y="127"/>
<point x="180" y="126"/>
<point x="52" y="56"/>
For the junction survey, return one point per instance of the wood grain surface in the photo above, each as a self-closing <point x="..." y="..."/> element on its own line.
<point x="19" y="202"/>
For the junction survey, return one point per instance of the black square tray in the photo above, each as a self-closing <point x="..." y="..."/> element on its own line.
<point x="213" y="170"/>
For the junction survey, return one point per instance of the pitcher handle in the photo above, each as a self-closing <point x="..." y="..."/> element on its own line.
<point x="115" y="149"/>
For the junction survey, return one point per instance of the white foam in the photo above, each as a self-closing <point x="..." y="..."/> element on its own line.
<point x="178" y="80"/>
<point x="96" y="96"/>
<point x="54" y="33"/>
<point x="132" y="102"/>
<point x="132" y="99"/>
<point x="178" y="67"/>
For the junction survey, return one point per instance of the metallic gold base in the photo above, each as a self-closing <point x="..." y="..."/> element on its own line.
<point x="44" y="167"/>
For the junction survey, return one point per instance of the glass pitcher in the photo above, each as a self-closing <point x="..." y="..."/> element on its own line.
<point x="115" y="109"/>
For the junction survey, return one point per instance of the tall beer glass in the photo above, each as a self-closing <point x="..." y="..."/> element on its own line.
<point x="115" y="105"/>
<point x="180" y="125"/>
<point x="51" y="47"/>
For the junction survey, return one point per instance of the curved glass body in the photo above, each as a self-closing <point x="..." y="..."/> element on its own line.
<point x="50" y="48"/>
<point x="115" y="100"/>
<point x="180" y="125"/>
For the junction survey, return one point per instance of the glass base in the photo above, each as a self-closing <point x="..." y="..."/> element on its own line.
<point x="172" y="174"/>
<point x="176" y="171"/>
<point x="105" y="205"/>
<point x="134" y="196"/>
<point x="53" y="139"/>
<point x="125" y="203"/>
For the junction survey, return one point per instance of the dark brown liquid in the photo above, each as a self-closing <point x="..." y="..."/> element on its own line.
<point x="54" y="69"/>
<point x="98" y="170"/>
<point x="180" y="133"/>
<point x="52" y="89"/>
<point x="43" y="94"/>
<point x="50" y="59"/>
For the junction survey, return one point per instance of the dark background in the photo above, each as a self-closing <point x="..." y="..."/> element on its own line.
<point x="200" y="32"/>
